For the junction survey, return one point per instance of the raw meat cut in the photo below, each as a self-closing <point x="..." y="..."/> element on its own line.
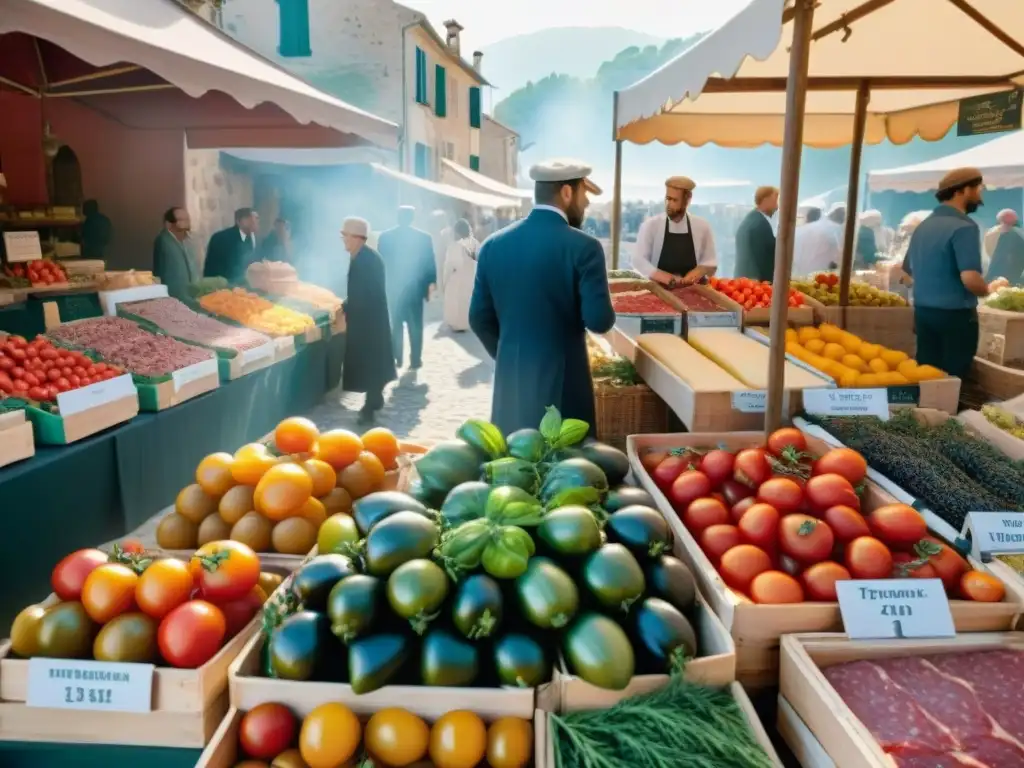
<point x="176" y="319"/>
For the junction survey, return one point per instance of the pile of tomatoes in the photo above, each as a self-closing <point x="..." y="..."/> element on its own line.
<point x="331" y="735"/>
<point x="36" y="370"/>
<point x="783" y="527"/>
<point x="38" y="272"/>
<point x="130" y="607"/>
<point x="751" y="294"/>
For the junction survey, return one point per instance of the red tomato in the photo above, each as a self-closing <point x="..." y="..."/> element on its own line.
<point x="981" y="587"/>
<point x="897" y="525"/>
<point x="703" y="513"/>
<point x="908" y="566"/>
<point x="946" y="561"/>
<point x="846" y="523"/>
<point x="843" y="461"/>
<point x="868" y="558"/>
<point x="788" y="443"/>
<point x="782" y="493"/>
<point x="740" y="507"/>
<point x="191" y="634"/>
<point x="718" y="466"/>
<point x="669" y="469"/>
<point x="652" y="459"/>
<point x="824" y="491"/>
<point x="688" y="487"/>
<point x="741" y="564"/>
<point x="163" y="586"/>
<point x="718" y="539"/>
<point x="752" y="467"/>
<point x="267" y="730"/>
<point x="227" y="570"/>
<point x="775" y="588"/>
<point x="735" y="492"/>
<point x="70" y="574"/>
<point x="37" y="393"/>
<point x="238" y="613"/>
<point x="820" y="581"/>
<point x="805" y="538"/>
<point x="759" y="525"/>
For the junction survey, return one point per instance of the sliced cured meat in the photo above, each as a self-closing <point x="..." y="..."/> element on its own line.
<point x="932" y="760"/>
<point x="997" y="678"/>
<point x="176" y="319"/>
<point x="996" y="753"/>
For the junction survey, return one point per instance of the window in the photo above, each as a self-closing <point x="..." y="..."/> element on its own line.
<point x="422" y="94"/>
<point x="474" y="107"/>
<point x="293" y="28"/>
<point x="422" y="161"/>
<point x="440" y="91"/>
<point x="449" y="150"/>
<point x="474" y="162"/>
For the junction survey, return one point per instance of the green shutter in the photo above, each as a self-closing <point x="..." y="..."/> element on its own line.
<point x="293" y="22"/>
<point x="421" y="76"/>
<point x="474" y="162"/>
<point x="474" y="107"/>
<point x="440" y="91"/>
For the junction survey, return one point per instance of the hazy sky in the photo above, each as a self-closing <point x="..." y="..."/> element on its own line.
<point x="487" y="21"/>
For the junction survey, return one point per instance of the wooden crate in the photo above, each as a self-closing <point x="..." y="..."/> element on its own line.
<point x="891" y="327"/>
<point x="981" y="427"/>
<point x="284" y="348"/>
<point x="54" y="429"/>
<point x="16" y="441"/>
<point x="730" y="316"/>
<point x="999" y="382"/>
<point x="795" y="316"/>
<point x="756" y="629"/>
<point x="798" y="737"/>
<point x="167" y="394"/>
<point x="624" y="411"/>
<point x="846" y="741"/>
<point x="1001" y="336"/>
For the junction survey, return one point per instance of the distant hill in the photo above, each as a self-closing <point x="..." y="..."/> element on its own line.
<point x="576" y="51"/>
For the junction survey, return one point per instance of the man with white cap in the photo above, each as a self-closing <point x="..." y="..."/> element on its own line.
<point x="541" y="283"/>
<point x="675" y="246"/>
<point x="1006" y="221"/>
<point x="1007" y="254"/>
<point x="369" y="362"/>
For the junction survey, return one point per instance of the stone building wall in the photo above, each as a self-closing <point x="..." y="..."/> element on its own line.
<point x="213" y="193"/>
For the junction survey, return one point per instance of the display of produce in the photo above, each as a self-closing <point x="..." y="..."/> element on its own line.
<point x="38" y="273"/>
<point x="825" y="288"/>
<point x="624" y="274"/>
<point x="747" y="358"/>
<point x="679" y="724"/>
<point x="255" y="312"/>
<point x="176" y="319"/>
<point x="541" y="558"/>
<point x="702" y="374"/>
<point x="1010" y="298"/>
<point x="39" y="371"/>
<point x="610" y="369"/>
<point x="205" y="285"/>
<point x="279" y="278"/>
<point x="640" y="303"/>
<point x="782" y="526"/>
<point x="945" y="468"/>
<point x="693" y="300"/>
<point x="116" y="281"/>
<point x="854" y="362"/>
<point x="274" y="498"/>
<point x="752" y="294"/>
<point x="122" y="342"/>
<point x="954" y="709"/>
<point x="131" y="607"/>
<point x="1004" y="420"/>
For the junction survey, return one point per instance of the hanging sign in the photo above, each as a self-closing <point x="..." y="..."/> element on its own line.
<point x="991" y="113"/>
<point x="875" y="609"/>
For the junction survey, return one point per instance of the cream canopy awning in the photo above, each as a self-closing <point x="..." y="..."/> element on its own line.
<point x="484" y="183"/>
<point x="918" y="58"/>
<point x="479" y="199"/>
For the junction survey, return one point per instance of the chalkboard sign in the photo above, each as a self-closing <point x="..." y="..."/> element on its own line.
<point x="658" y="324"/>
<point x="991" y="113"/>
<point x="908" y="394"/>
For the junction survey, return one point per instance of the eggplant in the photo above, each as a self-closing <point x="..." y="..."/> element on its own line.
<point x="478" y="607"/>
<point x="598" y="651"/>
<point x="448" y="660"/>
<point x="614" y="577"/>
<point x="375" y="661"/>
<point x="611" y="460"/>
<point x="663" y="635"/>
<point x="416" y="591"/>
<point x="354" y="605"/>
<point x="296" y="647"/>
<point x="571" y="531"/>
<point x="670" y="579"/>
<point x="449" y="463"/>
<point x="642" y="530"/>
<point x="467" y="501"/>
<point x="626" y="496"/>
<point x="397" y="539"/>
<point x="527" y="444"/>
<point x="313" y="582"/>
<point x="374" y="507"/>
<point x="548" y="597"/>
<point x="521" y="661"/>
<point x="573" y="473"/>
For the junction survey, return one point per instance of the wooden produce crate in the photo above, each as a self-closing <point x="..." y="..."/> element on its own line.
<point x="757" y="629"/>
<point x="624" y="411"/>
<point x="284" y="348"/>
<point x="795" y="316"/>
<point x="249" y="361"/>
<point x="976" y="423"/>
<point x="846" y="742"/>
<point x="95" y="408"/>
<point x="891" y="327"/>
<point x="730" y="316"/>
<point x="999" y="382"/>
<point x="622" y="284"/>
<point x="183" y="385"/>
<point x="1001" y="338"/>
<point x="16" y="441"/>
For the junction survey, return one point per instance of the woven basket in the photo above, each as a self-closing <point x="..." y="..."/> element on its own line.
<point x="624" y="411"/>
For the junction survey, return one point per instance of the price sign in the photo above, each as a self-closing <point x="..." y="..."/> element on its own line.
<point x="659" y="324"/>
<point x="101" y="393"/>
<point x="751" y="401"/>
<point x="712" y="320"/>
<point x="22" y="246"/>
<point x="98" y="685"/>
<point x="847" y="402"/>
<point x="994" y="533"/>
<point x="193" y="373"/>
<point x="261" y="352"/>
<point x="876" y="609"/>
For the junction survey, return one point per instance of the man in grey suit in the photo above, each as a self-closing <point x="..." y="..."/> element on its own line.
<point x="755" y="237"/>
<point x="173" y="262"/>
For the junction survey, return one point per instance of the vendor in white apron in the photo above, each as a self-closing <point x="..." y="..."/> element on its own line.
<point x="675" y="247"/>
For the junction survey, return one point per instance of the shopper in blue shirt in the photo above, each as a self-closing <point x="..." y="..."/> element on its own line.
<point x="944" y="261"/>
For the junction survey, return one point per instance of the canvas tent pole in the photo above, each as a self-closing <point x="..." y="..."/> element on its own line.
<point x="796" y="102"/>
<point x="860" y="118"/>
<point x="617" y="190"/>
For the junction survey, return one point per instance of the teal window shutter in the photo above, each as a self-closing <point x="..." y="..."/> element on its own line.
<point x="421" y="76"/>
<point x="422" y="160"/>
<point x="474" y="107"/>
<point x="474" y="162"/>
<point x="440" y="91"/>
<point x="293" y="28"/>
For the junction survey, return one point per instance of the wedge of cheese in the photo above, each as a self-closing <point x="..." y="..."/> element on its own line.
<point x="702" y="374"/>
<point x="746" y="358"/>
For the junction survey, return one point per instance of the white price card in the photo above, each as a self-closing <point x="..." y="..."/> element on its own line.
<point x="99" y="685"/>
<point x="22" y="246"/>
<point x="847" y="402"/>
<point x="191" y="373"/>
<point x="94" y="395"/>
<point x="994" y="533"/>
<point x="750" y="401"/>
<point x="712" y="319"/>
<point x="875" y="609"/>
<point x="262" y="352"/>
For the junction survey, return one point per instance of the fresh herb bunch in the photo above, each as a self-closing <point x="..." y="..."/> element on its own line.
<point x="616" y="371"/>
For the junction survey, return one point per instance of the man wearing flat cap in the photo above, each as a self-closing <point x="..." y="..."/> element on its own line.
<point x="944" y="261"/>
<point x="541" y="283"/>
<point x="369" y="362"/>
<point x="675" y="246"/>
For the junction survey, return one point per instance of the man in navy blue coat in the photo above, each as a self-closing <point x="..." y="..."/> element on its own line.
<point x="541" y="283"/>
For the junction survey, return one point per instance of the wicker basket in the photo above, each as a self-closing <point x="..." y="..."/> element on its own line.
<point x="624" y="411"/>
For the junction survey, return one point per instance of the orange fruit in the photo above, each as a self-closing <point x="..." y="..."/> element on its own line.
<point x="194" y="503"/>
<point x="251" y="462"/>
<point x="338" y="500"/>
<point x="296" y="435"/>
<point x="458" y="740"/>
<point x="374" y="467"/>
<point x="214" y="474"/>
<point x="339" y="447"/>
<point x="283" y="491"/>
<point x="357" y="480"/>
<point x="314" y="511"/>
<point x="383" y="444"/>
<point x="323" y="475"/>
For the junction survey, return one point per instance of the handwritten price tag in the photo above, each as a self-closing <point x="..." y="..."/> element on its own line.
<point x="995" y="533"/>
<point x="193" y="373"/>
<point x="847" y="402"/>
<point x="22" y="246"/>
<point x="94" y="395"/>
<point x="97" y="685"/>
<point x="751" y="401"/>
<point x="875" y="609"/>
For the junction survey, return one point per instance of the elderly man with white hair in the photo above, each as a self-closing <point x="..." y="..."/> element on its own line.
<point x="1006" y="257"/>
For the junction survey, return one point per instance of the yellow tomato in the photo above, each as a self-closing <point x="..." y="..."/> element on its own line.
<point x="458" y="740"/>
<point x="397" y="737"/>
<point x="509" y="743"/>
<point x="330" y="736"/>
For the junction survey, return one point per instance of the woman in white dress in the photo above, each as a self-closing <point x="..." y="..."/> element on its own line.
<point x="459" y="275"/>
